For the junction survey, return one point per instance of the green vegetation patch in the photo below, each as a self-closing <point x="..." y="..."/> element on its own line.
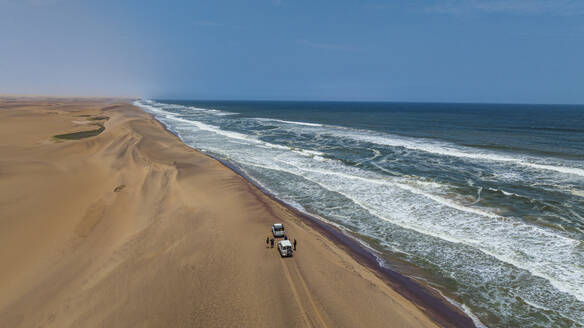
<point x="81" y="134"/>
<point x="110" y="107"/>
<point x="98" y="118"/>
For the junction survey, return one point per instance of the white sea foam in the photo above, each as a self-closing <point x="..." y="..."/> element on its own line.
<point x="506" y="193"/>
<point x="289" y="122"/>
<point x="228" y="134"/>
<point x="478" y="199"/>
<point x="217" y="130"/>
<point x="473" y="317"/>
<point x="577" y="192"/>
<point x="158" y="107"/>
<point x="386" y="170"/>
<point x="463" y="307"/>
<point x="440" y="148"/>
<point x="223" y="113"/>
<point x="376" y="153"/>
<point x="541" y="252"/>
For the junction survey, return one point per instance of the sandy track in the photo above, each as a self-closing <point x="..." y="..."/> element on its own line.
<point x="312" y="315"/>
<point x="133" y="228"/>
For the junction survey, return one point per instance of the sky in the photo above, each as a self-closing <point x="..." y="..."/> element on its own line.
<point x="499" y="51"/>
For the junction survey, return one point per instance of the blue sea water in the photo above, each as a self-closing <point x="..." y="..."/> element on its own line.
<point x="487" y="201"/>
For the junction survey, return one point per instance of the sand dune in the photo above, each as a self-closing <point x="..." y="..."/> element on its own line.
<point x="132" y="228"/>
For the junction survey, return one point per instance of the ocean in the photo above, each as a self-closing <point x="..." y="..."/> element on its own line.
<point x="485" y="202"/>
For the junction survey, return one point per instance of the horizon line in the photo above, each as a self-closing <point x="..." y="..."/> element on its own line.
<point x="368" y="101"/>
<point x="127" y="97"/>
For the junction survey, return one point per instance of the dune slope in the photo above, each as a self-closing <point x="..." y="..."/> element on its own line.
<point x="130" y="227"/>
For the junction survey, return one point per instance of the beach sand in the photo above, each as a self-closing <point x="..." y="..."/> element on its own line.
<point x="126" y="226"/>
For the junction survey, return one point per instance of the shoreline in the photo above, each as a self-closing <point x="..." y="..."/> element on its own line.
<point x="440" y="310"/>
<point x="132" y="227"/>
<point x="435" y="305"/>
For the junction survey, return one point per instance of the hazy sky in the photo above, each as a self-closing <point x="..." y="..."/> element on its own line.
<point x="529" y="51"/>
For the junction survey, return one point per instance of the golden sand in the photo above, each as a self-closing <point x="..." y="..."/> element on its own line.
<point x="130" y="227"/>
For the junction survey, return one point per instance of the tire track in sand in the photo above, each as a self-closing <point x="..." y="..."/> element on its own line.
<point x="297" y="297"/>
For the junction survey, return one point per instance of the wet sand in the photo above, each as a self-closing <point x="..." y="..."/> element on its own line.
<point x="127" y="226"/>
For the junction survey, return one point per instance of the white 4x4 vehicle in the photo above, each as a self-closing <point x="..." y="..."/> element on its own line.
<point x="285" y="248"/>
<point x="278" y="229"/>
